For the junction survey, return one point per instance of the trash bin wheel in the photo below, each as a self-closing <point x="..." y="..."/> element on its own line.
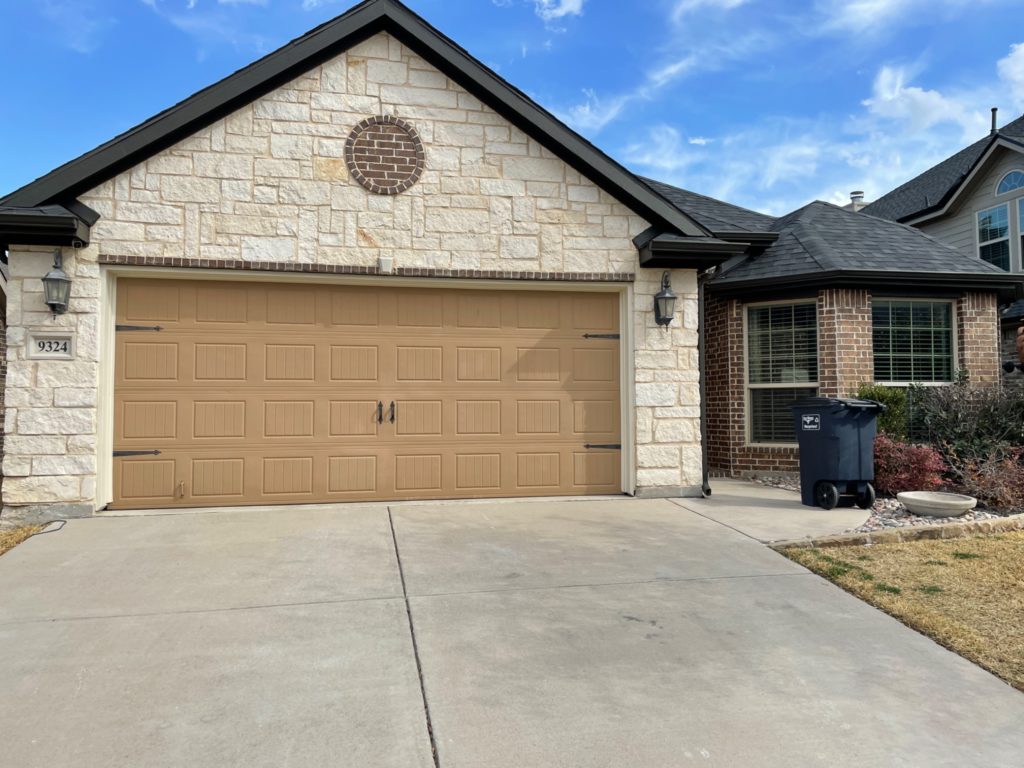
<point x="826" y="495"/>
<point x="866" y="499"/>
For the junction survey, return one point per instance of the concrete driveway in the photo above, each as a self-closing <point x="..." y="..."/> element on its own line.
<point x="596" y="633"/>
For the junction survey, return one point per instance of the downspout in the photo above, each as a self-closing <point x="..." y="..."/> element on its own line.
<point x="705" y="487"/>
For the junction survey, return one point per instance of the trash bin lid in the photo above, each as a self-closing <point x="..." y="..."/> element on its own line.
<point x="844" y="402"/>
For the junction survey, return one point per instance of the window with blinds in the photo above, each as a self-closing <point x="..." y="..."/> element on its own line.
<point x="994" y="236"/>
<point x="782" y="367"/>
<point x="913" y="341"/>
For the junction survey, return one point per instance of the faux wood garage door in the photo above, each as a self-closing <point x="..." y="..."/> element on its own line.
<point x="257" y="393"/>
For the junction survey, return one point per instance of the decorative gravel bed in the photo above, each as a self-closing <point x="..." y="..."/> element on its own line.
<point x="887" y="513"/>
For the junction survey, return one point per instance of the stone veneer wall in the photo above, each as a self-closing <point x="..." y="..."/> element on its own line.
<point x="269" y="183"/>
<point x="845" y="361"/>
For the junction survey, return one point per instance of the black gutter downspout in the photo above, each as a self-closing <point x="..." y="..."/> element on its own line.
<point x="702" y="277"/>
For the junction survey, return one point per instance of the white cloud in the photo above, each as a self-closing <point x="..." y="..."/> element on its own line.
<point x="685" y="7"/>
<point x="78" y="24"/>
<point x="593" y="113"/>
<point x="211" y="28"/>
<point x="778" y="164"/>
<point x="1011" y="72"/>
<point x="549" y="10"/>
<point x="917" y="109"/>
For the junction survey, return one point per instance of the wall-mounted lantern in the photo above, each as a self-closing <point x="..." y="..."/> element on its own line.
<point x="57" y="285"/>
<point x="665" y="302"/>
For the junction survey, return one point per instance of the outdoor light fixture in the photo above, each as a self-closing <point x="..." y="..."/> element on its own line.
<point x="57" y="285"/>
<point x="665" y="302"/>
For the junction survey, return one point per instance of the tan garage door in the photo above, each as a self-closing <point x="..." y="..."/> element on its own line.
<point x="257" y="393"/>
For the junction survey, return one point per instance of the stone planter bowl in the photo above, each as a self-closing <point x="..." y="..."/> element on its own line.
<point x="932" y="504"/>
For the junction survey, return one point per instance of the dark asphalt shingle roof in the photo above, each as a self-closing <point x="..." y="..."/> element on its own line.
<point x="1014" y="311"/>
<point x="932" y="187"/>
<point x="822" y="238"/>
<point x="710" y="213"/>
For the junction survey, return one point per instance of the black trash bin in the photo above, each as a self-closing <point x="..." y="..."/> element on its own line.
<point x="837" y="450"/>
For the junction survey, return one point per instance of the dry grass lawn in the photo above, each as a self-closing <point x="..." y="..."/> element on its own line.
<point x="12" y="537"/>
<point x="967" y="594"/>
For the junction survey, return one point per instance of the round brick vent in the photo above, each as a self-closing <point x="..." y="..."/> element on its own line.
<point x="384" y="154"/>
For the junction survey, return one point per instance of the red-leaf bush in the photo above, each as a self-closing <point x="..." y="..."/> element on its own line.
<point x="903" y="467"/>
<point x="996" y="479"/>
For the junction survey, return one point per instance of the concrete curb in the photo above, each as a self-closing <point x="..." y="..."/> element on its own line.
<point x="895" y="535"/>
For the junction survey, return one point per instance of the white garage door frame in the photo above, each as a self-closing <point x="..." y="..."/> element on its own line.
<point x="108" y="314"/>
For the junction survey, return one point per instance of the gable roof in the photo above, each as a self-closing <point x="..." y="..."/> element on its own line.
<point x="319" y="45"/>
<point x="822" y="243"/>
<point x="715" y="215"/>
<point x="935" y="187"/>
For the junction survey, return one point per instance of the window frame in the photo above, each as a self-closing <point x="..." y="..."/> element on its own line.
<point x="954" y="341"/>
<point x="1020" y="238"/>
<point x="1016" y="190"/>
<point x="748" y="411"/>
<point x="1008" y="238"/>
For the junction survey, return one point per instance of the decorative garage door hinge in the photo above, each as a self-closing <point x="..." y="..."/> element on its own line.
<point x="602" y="336"/>
<point x="119" y="454"/>
<point x="603" y="446"/>
<point x="137" y="328"/>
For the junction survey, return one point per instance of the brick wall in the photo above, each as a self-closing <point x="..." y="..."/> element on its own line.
<point x="845" y="361"/>
<point x="978" y="337"/>
<point x="843" y="316"/>
<point x="728" y="451"/>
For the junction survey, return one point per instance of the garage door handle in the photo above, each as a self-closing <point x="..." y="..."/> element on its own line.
<point x="391" y="417"/>
<point x="380" y="412"/>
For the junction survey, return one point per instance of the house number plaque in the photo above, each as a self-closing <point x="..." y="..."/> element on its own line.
<point x="51" y="346"/>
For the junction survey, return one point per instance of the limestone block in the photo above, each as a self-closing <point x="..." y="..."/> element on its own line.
<point x="458" y="220"/>
<point x="63" y="465"/>
<point x="111" y="229"/>
<point x="648" y="478"/>
<point x="63" y="373"/>
<point x="278" y="110"/>
<point x="459" y="135"/>
<point x="330" y="148"/>
<point x="656" y="394"/>
<point x="223" y="166"/>
<point x="424" y="78"/>
<point x="405" y="96"/>
<point x="56" y="421"/>
<point x="20" y="397"/>
<point x="269" y="168"/>
<point x="333" y="75"/>
<point x="387" y="72"/>
<point x="305" y="192"/>
<point x="533" y="169"/>
<point x="582" y="194"/>
<point x="288" y="147"/>
<point x="188" y="189"/>
<point x="74" y="397"/>
<point x="674" y="431"/>
<point x="268" y="248"/>
<point x="654" y="456"/>
<point x="174" y="165"/>
<point x="17" y="466"/>
<point x="33" y="445"/>
<point x="79" y="444"/>
<point x="237" y="190"/>
<point x="38" y="490"/>
<point x="519" y="247"/>
<point x="644" y="425"/>
<point x="506" y="187"/>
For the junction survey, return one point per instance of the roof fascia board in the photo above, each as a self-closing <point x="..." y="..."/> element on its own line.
<point x="259" y="78"/>
<point x="916" y="282"/>
<point x="965" y="182"/>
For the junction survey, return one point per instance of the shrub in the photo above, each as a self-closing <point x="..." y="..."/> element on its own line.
<point x="969" y="422"/>
<point x="893" y="421"/>
<point x="903" y="467"/>
<point x="996" y="480"/>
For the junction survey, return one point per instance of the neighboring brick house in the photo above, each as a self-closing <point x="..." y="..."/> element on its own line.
<point x="973" y="201"/>
<point x="824" y="300"/>
<point x="364" y="267"/>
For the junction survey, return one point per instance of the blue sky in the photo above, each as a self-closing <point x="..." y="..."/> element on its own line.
<point x="764" y="103"/>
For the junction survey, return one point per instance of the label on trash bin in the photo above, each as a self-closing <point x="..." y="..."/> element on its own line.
<point x="811" y="422"/>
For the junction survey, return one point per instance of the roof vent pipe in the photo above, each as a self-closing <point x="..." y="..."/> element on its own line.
<point x="995" y="111"/>
<point x="856" y="200"/>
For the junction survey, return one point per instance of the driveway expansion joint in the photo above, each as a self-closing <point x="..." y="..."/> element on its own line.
<point x="415" y="646"/>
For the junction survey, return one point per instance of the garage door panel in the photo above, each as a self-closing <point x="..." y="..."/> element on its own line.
<point x="261" y="393"/>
